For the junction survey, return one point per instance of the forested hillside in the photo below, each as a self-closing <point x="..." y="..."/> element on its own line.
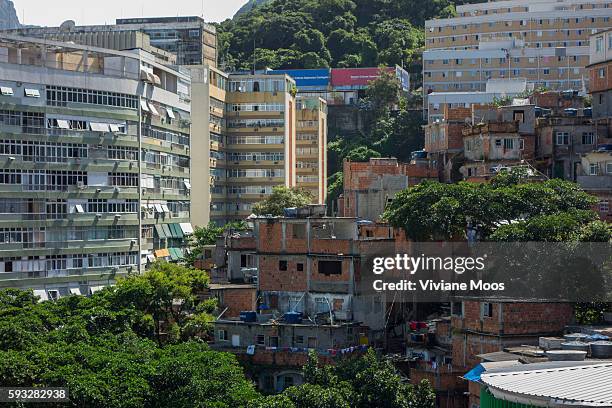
<point x="336" y="33"/>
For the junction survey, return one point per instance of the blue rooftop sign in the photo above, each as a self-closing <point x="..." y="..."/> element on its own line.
<point x="311" y="78"/>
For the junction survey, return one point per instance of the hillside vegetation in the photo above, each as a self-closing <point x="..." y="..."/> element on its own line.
<point x="334" y="33"/>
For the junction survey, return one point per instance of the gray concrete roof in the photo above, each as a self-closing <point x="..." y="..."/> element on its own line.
<point x="579" y="386"/>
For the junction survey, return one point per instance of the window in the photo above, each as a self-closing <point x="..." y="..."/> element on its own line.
<point x="601" y="72"/>
<point x="299" y="231"/>
<point x="260" y="340"/>
<point x="273" y="341"/>
<point x="282" y="265"/>
<point x="498" y="142"/>
<point x="60" y="96"/>
<point x="300" y="267"/>
<point x="330" y="267"/>
<point x="588" y="138"/>
<point x="312" y="342"/>
<point x="457" y="308"/>
<point x="609" y="167"/>
<point x="299" y="340"/>
<point x="562" y="138"/>
<point x="521" y="144"/>
<point x="509" y="144"/>
<point x="222" y="335"/>
<point x="287" y="381"/>
<point x="599" y="44"/>
<point x="604" y="206"/>
<point x="593" y="169"/>
<point x="486" y="309"/>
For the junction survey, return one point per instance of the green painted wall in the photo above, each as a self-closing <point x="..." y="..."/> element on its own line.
<point x="487" y="400"/>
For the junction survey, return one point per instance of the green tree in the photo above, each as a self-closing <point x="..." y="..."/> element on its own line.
<point x="169" y="293"/>
<point x="360" y="382"/>
<point x="281" y="198"/>
<point x="361" y="154"/>
<point x="505" y="210"/>
<point x="208" y="235"/>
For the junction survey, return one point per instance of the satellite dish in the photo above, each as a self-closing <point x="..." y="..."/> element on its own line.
<point x="67" y="25"/>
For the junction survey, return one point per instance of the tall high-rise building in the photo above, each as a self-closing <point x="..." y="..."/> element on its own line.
<point x="244" y="135"/>
<point x="543" y="41"/>
<point x="187" y="40"/>
<point x="311" y="147"/>
<point x="95" y="173"/>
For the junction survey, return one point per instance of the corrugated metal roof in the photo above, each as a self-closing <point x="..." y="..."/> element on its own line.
<point x="585" y="385"/>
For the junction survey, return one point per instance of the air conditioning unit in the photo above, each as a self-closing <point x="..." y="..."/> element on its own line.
<point x="80" y="185"/>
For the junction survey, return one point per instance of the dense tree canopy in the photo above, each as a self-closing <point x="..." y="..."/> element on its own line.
<point x="355" y="382"/>
<point x="108" y="349"/>
<point x="281" y="198"/>
<point x="505" y="210"/>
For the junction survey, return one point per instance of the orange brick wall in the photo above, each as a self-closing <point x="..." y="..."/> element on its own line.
<point x="273" y="279"/>
<point x="237" y="300"/>
<point x="518" y="318"/>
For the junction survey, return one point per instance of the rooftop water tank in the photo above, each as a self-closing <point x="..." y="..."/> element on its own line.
<point x="576" y="337"/>
<point x="293" y="317"/>
<point x="575" y="345"/>
<point x="248" y="316"/>
<point x="601" y="349"/>
<point x="566" y="355"/>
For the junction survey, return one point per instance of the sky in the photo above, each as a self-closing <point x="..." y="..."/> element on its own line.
<point x="85" y="12"/>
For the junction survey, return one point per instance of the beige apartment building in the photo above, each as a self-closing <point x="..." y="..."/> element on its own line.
<point x="311" y="147"/>
<point x="244" y="142"/>
<point x="546" y="42"/>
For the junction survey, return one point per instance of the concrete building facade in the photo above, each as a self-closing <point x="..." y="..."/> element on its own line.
<point x="545" y="42"/>
<point x="311" y="147"/>
<point x="370" y="186"/>
<point x="189" y="39"/>
<point x="599" y="70"/>
<point x="95" y="152"/>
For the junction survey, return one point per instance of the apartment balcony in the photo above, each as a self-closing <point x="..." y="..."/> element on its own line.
<point x="307" y="142"/>
<point x="307" y="170"/>
<point x="173" y="147"/>
<point x="603" y="182"/>
<point x="257" y="180"/>
<point x="72" y="190"/>
<point x="165" y="193"/>
<point x="67" y="135"/>
<point x="36" y="278"/>
<point x="256" y="129"/>
<point x="55" y="220"/>
<point x="96" y="164"/>
<point x="68" y="247"/>
<point x="257" y="147"/>
<point x="256" y="163"/>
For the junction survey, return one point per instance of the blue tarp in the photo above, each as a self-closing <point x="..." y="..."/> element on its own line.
<point x="475" y="373"/>
<point x="598" y="336"/>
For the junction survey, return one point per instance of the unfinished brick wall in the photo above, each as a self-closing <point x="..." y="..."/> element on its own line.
<point x="236" y="300"/>
<point x="242" y="243"/>
<point x="516" y="318"/>
<point x="269" y="238"/>
<point x="271" y="278"/>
